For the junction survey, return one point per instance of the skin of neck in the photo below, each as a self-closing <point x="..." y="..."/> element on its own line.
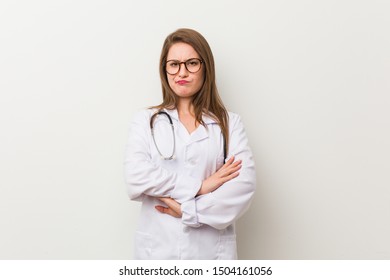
<point x="186" y="112"/>
<point x="185" y="107"/>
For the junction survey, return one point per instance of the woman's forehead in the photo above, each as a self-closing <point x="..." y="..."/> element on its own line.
<point x="181" y="51"/>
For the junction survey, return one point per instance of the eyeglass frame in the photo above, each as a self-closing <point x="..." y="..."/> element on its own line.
<point x="185" y="65"/>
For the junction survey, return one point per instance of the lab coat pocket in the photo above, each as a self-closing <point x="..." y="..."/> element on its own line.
<point x="227" y="249"/>
<point x="143" y="246"/>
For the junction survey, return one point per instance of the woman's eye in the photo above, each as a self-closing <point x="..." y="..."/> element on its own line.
<point x="173" y="64"/>
<point x="193" y="62"/>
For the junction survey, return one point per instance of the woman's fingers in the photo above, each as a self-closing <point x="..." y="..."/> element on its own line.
<point x="231" y="176"/>
<point x="227" y="172"/>
<point x="230" y="170"/>
<point x="230" y="163"/>
<point x="173" y="209"/>
<point x="230" y="160"/>
<point x="166" y="210"/>
<point x="236" y="166"/>
<point x="161" y="209"/>
<point x="227" y="163"/>
<point x="171" y="203"/>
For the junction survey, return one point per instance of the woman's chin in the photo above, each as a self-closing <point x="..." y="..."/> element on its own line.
<point x="184" y="94"/>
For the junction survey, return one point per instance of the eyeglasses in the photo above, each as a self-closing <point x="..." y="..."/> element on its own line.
<point x="192" y="65"/>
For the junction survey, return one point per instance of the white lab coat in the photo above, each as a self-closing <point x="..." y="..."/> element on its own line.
<point x="206" y="229"/>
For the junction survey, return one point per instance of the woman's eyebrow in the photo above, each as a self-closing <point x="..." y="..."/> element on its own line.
<point x="168" y="59"/>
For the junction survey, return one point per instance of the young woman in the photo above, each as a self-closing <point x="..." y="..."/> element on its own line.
<point x="188" y="161"/>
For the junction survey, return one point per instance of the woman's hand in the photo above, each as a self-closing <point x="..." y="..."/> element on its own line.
<point x="173" y="209"/>
<point x="227" y="172"/>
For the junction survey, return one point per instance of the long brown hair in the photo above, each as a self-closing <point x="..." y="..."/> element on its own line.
<point x="207" y="100"/>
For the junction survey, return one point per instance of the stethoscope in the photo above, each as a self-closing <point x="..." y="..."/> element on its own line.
<point x="172" y="156"/>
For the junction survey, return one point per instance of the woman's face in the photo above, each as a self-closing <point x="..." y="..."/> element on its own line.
<point x="184" y="83"/>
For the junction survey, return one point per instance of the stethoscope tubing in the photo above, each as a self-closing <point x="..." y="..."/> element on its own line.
<point x="172" y="156"/>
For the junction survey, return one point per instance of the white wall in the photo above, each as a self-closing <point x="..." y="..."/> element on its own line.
<point x="309" y="78"/>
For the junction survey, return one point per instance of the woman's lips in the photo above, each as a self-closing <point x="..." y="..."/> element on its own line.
<point x="182" y="82"/>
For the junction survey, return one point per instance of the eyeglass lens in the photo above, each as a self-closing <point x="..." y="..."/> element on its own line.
<point x="192" y="65"/>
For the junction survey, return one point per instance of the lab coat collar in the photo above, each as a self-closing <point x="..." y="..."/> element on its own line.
<point x="199" y="134"/>
<point x="174" y="115"/>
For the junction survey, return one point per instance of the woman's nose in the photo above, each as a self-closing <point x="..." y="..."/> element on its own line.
<point x="183" y="72"/>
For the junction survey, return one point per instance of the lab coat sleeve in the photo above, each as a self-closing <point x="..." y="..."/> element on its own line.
<point x="225" y="205"/>
<point x="143" y="176"/>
